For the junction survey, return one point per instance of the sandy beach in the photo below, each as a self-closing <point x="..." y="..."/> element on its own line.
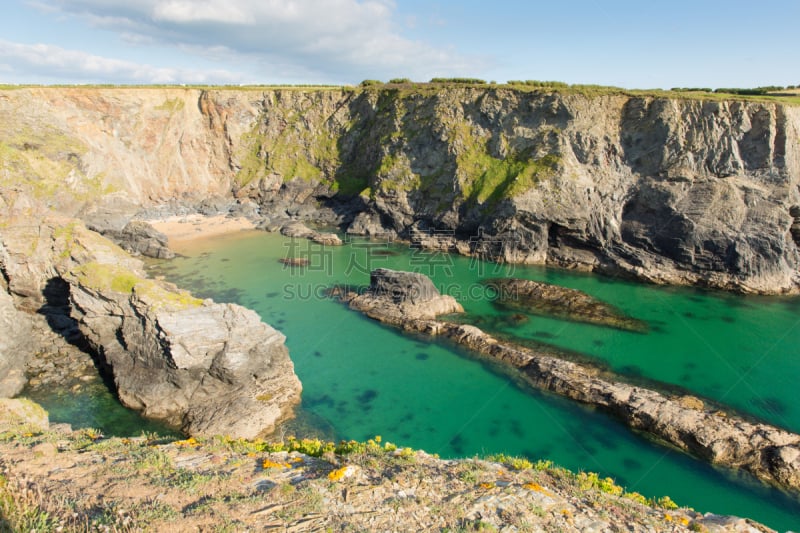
<point x="182" y="230"/>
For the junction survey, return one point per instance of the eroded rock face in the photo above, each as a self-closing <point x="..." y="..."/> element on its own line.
<point x="13" y="353"/>
<point x="207" y="368"/>
<point x="140" y="238"/>
<point x="22" y="413"/>
<point x="769" y="453"/>
<point x="394" y="296"/>
<point x="667" y="190"/>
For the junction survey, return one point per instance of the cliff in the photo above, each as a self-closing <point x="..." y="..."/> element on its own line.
<point x="200" y="366"/>
<point x="663" y="189"/>
<point x="52" y="478"/>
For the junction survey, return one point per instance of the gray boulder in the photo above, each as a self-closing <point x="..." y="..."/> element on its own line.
<point x="396" y="297"/>
<point x="207" y="368"/>
<point x="140" y="238"/>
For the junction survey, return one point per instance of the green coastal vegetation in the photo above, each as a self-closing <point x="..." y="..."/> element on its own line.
<point x="159" y="464"/>
<point x="789" y="94"/>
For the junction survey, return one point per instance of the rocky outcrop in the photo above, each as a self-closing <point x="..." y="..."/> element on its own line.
<point x="204" y="367"/>
<point x="207" y="368"/>
<point x="24" y="414"/>
<point x="669" y="190"/>
<point x="769" y="453"/>
<point x="301" y="231"/>
<point x="13" y="353"/>
<point x="396" y="297"/>
<point x="140" y="238"/>
<point x="551" y="300"/>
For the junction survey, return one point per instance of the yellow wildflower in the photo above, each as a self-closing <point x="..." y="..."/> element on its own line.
<point x="269" y="463"/>
<point x="336" y="475"/>
<point x="191" y="442"/>
<point x="487" y="485"/>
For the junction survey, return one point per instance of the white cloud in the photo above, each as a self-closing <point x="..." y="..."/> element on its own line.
<point x="321" y="40"/>
<point x="183" y="11"/>
<point x="55" y="62"/>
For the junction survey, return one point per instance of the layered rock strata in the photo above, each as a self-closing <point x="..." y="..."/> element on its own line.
<point x="769" y="453"/>
<point x="660" y="188"/>
<point x="204" y="367"/>
<point x="551" y="300"/>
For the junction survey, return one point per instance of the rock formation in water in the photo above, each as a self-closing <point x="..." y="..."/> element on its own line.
<point x="207" y="368"/>
<point x="664" y="189"/>
<point x="561" y="302"/>
<point x="770" y="453"/>
<point x="394" y="296"/>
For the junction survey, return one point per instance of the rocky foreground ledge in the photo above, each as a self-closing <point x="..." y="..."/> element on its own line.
<point x="64" y="480"/>
<point x="410" y="301"/>
<point x="200" y="366"/>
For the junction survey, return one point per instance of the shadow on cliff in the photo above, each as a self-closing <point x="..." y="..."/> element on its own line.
<point x="56" y="310"/>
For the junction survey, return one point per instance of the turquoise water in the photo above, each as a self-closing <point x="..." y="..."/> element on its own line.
<point x="361" y="378"/>
<point x="94" y="406"/>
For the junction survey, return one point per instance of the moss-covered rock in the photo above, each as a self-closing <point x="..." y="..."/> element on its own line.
<point x="20" y="414"/>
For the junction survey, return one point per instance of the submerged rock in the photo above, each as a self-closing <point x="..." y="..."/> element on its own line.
<point x="560" y="302"/>
<point x="294" y="261"/>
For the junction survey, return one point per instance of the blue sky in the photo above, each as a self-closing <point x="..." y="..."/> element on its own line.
<point x="641" y="44"/>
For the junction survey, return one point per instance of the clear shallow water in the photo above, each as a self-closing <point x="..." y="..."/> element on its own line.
<point x="94" y="406"/>
<point x="361" y="378"/>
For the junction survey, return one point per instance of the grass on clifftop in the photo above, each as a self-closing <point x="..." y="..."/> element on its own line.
<point x="105" y="277"/>
<point x="225" y="484"/>
<point x="789" y="96"/>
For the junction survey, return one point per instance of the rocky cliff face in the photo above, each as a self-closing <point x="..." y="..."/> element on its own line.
<point x="667" y="190"/>
<point x="204" y="367"/>
<point x="13" y="356"/>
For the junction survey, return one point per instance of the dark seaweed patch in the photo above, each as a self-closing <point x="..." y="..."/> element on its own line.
<point x="422" y="356"/>
<point x="367" y="396"/>
<point x="771" y="405"/>
<point x="457" y="443"/>
<point x="631" y="370"/>
<point x="516" y="428"/>
<point x="325" y="400"/>
<point x="631" y="464"/>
